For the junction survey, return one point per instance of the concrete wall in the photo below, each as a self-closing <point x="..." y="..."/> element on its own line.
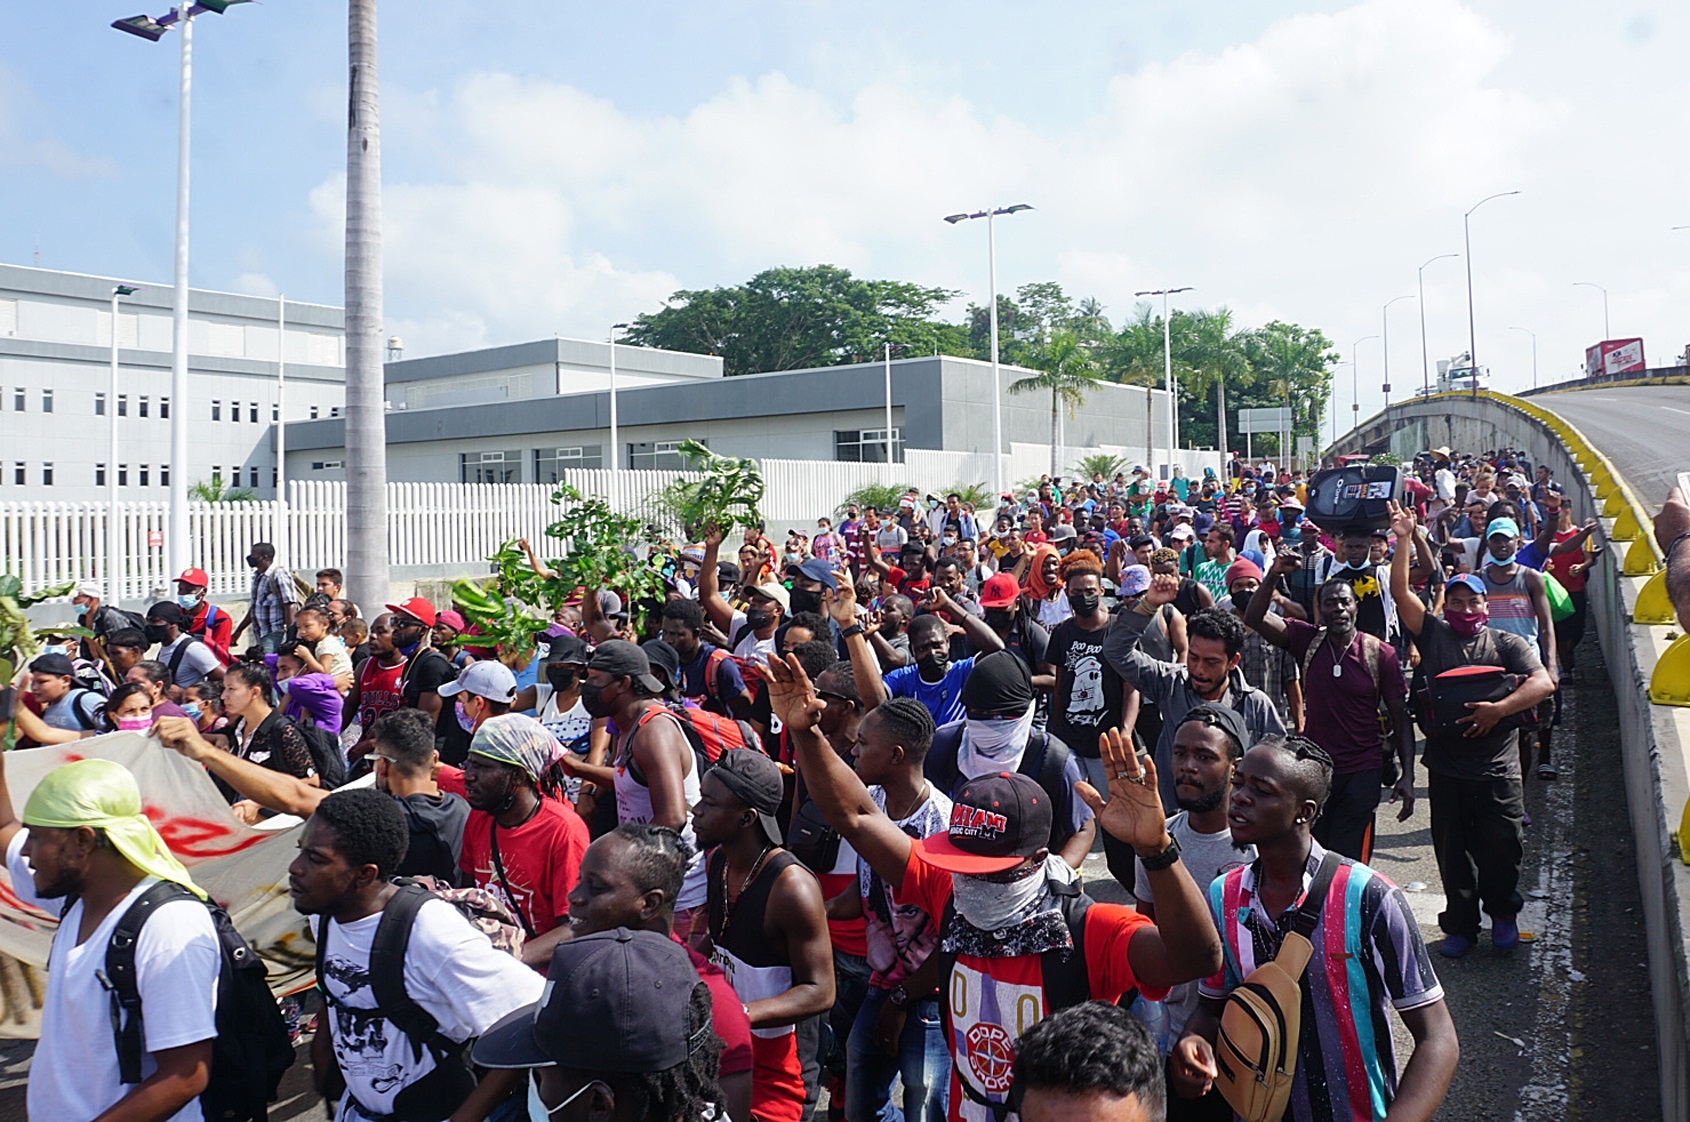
<point x="1654" y="739"/>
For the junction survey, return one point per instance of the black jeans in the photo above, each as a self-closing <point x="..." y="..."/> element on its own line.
<point x="1478" y="836"/>
<point x="1345" y="825"/>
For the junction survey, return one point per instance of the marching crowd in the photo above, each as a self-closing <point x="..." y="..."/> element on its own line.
<point x="811" y="828"/>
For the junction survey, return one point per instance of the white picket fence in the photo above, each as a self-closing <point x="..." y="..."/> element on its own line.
<point x="431" y="527"/>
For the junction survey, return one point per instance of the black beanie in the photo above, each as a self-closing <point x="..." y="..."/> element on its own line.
<point x="998" y="683"/>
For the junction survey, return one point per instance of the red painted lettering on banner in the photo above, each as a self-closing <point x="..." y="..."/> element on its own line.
<point x="197" y="838"/>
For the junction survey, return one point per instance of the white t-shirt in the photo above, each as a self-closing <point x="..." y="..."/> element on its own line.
<point x="749" y="646"/>
<point x="891" y="537"/>
<point x="451" y="970"/>
<point x="332" y="653"/>
<point x="74" y="1076"/>
<point x="197" y="662"/>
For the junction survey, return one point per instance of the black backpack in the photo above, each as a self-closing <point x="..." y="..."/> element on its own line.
<point x="451" y="1080"/>
<point x="1045" y="761"/>
<point x="327" y="758"/>
<point x="1066" y="983"/>
<point x="251" y="1051"/>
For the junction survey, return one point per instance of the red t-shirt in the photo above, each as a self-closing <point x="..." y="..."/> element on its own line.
<point x="1034" y="537"/>
<point x="1560" y="565"/>
<point x="994" y="1000"/>
<point x="217" y="635"/>
<point x="727" y="1014"/>
<point x="541" y="859"/>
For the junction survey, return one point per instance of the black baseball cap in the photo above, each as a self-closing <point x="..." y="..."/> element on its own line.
<point x="664" y="660"/>
<point x="167" y="611"/>
<point x="621" y="659"/>
<point x="1220" y="717"/>
<point x="567" y="649"/>
<point x="614" y="1001"/>
<point x="997" y="822"/>
<point x="55" y="663"/>
<point x="754" y="780"/>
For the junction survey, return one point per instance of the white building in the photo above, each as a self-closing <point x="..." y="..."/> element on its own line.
<point x="55" y="407"/>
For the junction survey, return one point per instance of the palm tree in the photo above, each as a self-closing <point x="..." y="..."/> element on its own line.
<point x="1214" y="356"/>
<point x="366" y="439"/>
<point x="216" y="491"/>
<point x="1069" y="373"/>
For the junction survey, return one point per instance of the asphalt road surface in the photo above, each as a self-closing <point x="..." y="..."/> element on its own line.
<point x="1639" y="428"/>
<point x="1558" y="1031"/>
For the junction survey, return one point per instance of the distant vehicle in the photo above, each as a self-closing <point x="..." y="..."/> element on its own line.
<point x="1457" y="374"/>
<point x="1613" y="357"/>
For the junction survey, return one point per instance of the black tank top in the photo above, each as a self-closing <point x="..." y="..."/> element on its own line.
<point x="744" y="937"/>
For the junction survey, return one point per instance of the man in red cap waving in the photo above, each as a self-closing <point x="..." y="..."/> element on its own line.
<point x="207" y="623"/>
<point x="1018" y="938"/>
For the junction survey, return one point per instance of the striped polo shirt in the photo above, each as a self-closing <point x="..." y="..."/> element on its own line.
<point x="1368" y="957"/>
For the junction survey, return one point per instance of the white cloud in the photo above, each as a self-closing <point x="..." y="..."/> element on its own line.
<point x="25" y="146"/>
<point x="255" y="284"/>
<point x="1300" y="175"/>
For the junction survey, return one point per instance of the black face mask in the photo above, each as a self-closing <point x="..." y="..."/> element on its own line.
<point x="933" y="666"/>
<point x="804" y="600"/>
<point x="252" y="561"/>
<point x="157" y="633"/>
<point x="759" y="619"/>
<point x="1084" y="603"/>
<point x="592" y="700"/>
<point x="561" y="678"/>
<point x="999" y="618"/>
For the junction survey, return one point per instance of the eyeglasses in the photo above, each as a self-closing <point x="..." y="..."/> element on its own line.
<point x="830" y="697"/>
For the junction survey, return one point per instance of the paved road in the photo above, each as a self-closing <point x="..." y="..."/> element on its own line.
<point x="1639" y="428"/>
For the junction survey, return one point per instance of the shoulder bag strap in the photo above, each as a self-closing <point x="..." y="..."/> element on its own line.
<point x="120" y="981"/>
<point x="387" y="971"/>
<point x="1308" y="655"/>
<point x="499" y="870"/>
<point x="1297" y="948"/>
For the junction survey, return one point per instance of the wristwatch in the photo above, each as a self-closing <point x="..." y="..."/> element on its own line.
<point x="854" y="629"/>
<point x="1163" y="859"/>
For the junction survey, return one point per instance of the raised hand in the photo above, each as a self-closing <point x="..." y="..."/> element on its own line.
<point x="791" y="696"/>
<point x="1164" y="589"/>
<point x="1133" y="813"/>
<point x="841" y="603"/>
<point x="1402" y="521"/>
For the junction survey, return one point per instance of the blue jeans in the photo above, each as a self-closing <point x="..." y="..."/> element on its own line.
<point x="923" y="1061"/>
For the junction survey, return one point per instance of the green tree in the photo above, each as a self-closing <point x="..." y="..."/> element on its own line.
<point x="792" y="318"/>
<point x="216" y="491"/>
<point x="1067" y="369"/>
<point x="1214" y="361"/>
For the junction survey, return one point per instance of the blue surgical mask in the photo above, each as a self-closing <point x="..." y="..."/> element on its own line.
<point x="188" y="602"/>
<point x="465" y="721"/>
<point x="194" y="712"/>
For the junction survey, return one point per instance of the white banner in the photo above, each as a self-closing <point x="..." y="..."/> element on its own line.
<point x="244" y="869"/>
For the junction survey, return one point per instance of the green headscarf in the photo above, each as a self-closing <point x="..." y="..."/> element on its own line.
<point x="102" y="794"/>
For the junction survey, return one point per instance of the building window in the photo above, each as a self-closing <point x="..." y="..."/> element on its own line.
<point x="334" y="410"/>
<point x="99" y="405"/>
<point x="313" y="412"/>
<point x="122" y="475"/>
<point x="866" y="446"/>
<point x="217" y="410"/>
<point x="490" y="467"/>
<point x="141" y="404"/>
<point x="275" y="478"/>
<point x="46" y="401"/>
<point x="123" y="405"/>
<point x="20" y="399"/>
<point x="551" y="463"/>
<point x="47" y="473"/>
<point x="275" y="410"/>
<point x="18" y="475"/>
<point x="141" y="474"/>
<point x="252" y="476"/>
<point x="164" y="408"/>
<point x="235" y="412"/>
<point x="99" y="475"/>
<point x="325" y="465"/>
<point x="216" y="474"/>
<point x="252" y="412"/>
<point x="660" y="455"/>
<point x="164" y="475"/>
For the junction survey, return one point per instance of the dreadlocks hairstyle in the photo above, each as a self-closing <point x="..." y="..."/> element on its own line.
<point x="1079" y="562"/>
<point x="1313" y="765"/>
<point x="680" y="1093"/>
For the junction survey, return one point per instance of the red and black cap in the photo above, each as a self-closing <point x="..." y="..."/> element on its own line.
<point x="997" y="822"/>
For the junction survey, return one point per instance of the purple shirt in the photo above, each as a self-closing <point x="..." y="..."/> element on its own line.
<point x="314" y="696"/>
<point x="1341" y="712"/>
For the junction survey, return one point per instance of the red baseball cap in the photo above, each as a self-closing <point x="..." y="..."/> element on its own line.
<point x="195" y="577"/>
<point x="997" y="822"/>
<point x="999" y="591"/>
<point x="418" y="609"/>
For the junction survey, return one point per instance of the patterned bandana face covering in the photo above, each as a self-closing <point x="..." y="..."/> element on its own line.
<point x="1003" y="920"/>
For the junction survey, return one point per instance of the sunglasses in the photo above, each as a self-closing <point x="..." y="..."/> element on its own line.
<point x="831" y="697"/>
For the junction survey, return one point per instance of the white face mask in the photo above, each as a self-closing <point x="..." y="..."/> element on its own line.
<point x="537" y="1108"/>
<point x="994" y="745"/>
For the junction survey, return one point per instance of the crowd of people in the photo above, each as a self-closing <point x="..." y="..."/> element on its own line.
<point x="812" y="827"/>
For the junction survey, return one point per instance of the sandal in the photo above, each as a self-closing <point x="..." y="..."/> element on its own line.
<point x="1547" y="772"/>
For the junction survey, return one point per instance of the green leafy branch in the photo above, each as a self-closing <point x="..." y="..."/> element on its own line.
<point x="726" y="495"/>
<point x="20" y="642"/>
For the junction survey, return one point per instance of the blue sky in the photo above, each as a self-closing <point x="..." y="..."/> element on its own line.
<point x="553" y="168"/>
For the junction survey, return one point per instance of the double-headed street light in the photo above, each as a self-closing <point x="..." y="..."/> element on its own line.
<point x="1606" y="332"/>
<point x="1385" y="329"/>
<point x="150" y="28"/>
<point x="1168" y="370"/>
<point x="1425" y="367"/>
<point x="990" y="215"/>
<point x="1467" y="242"/>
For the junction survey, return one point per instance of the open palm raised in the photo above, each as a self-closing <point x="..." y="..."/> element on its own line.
<point x="1133" y="813"/>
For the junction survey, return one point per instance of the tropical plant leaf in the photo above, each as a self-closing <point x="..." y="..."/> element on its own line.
<point x="881" y="496"/>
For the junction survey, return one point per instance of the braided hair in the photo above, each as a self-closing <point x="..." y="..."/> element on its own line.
<point x="1312" y="765"/>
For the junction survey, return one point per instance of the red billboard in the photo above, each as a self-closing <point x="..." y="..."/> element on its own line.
<point x="1614" y="356"/>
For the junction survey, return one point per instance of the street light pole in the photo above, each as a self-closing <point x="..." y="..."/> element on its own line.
<point x="1332" y="420"/>
<point x="282" y="535"/>
<point x="1533" y="334"/>
<point x="1168" y="370"/>
<point x="1355" y="380"/>
<point x="1425" y="367"/>
<point x="990" y="215"/>
<point x="114" y="533"/>
<point x="615" y="448"/>
<point x="1385" y="345"/>
<point x="1467" y="243"/>
<point x="1607" y="332"/>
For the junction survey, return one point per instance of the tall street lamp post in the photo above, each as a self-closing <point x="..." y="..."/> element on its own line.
<point x="615" y="448"/>
<point x="114" y="533"/>
<point x="146" y="27"/>
<point x="990" y="215"/>
<point x="1425" y="366"/>
<point x="1533" y="334"/>
<point x="1385" y="343"/>
<point x="1607" y="333"/>
<point x="1332" y="419"/>
<point x="1467" y="243"/>
<point x="1355" y="381"/>
<point x="1168" y="370"/>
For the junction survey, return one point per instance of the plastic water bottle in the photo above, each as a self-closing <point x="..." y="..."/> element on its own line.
<point x="1154" y="1016"/>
